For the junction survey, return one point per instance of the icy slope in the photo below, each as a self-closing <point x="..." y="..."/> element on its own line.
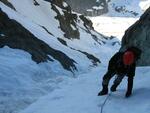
<point x="22" y="80"/>
<point x="80" y="96"/>
<point x="41" y="22"/>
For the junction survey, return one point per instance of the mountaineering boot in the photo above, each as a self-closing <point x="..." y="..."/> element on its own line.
<point x="113" y="87"/>
<point x="104" y="91"/>
<point x="128" y="94"/>
<point x="130" y="86"/>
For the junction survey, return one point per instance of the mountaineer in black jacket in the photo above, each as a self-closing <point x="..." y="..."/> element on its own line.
<point x="122" y="64"/>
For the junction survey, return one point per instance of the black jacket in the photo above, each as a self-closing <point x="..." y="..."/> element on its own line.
<point x="116" y="65"/>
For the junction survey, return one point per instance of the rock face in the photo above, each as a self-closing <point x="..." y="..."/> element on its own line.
<point x="6" y="2"/>
<point x="89" y="7"/>
<point x="138" y="35"/>
<point x="66" y="21"/>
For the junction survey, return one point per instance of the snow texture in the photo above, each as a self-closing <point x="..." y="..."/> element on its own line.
<point x="80" y="96"/>
<point x="27" y="87"/>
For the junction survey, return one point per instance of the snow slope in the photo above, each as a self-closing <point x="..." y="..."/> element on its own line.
<point x="24" y="15"/>
<point x="23" y="83"/>
<point x="116" y="23"/>
<point x="145" y="4"/>
<point x="80" y="96"/>
<point x="112" y="26"/>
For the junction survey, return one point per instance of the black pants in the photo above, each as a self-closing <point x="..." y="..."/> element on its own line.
<point x="117" y="80"/>
<point x="109" y="75"/>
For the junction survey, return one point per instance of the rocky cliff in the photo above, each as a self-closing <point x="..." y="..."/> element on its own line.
<point x="138" y="35"/>
<point x="89" y="7"/>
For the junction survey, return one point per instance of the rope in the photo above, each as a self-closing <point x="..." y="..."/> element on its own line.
<point x="104" y="103"/>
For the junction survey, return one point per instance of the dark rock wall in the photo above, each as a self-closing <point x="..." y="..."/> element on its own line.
<point x="65" y="21"/>
<point x="6" y="2"/>
<point x="139" y="35"/>
<point x="81" y="6"/>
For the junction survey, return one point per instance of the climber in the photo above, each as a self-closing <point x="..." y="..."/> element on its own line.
<point x="122" y="64"/>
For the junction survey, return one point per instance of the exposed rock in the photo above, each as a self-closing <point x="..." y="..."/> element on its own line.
<point x="60" y="3"/>
<point x="94" y="60"/>
<point x="62" y="41"/>
<point x="89" y="28"/>
<point x="122" y="9"/>
<point x="47" y="30"/>
<point x="67" y="23"/>
<point x="138" y="35"/>
<point x="16" y="36"/>
<point x="36" y="3"/>
<point x="86" y="7"/>
<point x="6" y="2"/>
<point x="57" y="2"/>
<point x="87" y="23"/>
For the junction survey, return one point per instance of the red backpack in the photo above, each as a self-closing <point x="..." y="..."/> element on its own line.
<point x="128" y="58"/>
